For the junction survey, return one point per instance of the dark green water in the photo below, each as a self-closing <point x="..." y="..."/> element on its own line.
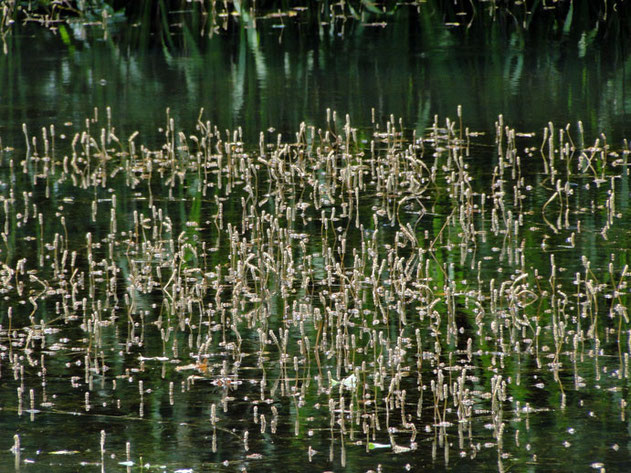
<point x="278" y="77"/>
<point x="563" y="407"/>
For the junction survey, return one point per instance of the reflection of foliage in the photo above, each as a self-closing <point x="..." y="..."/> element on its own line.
<point x="487" y="67"/>
<point x="175" y="23"/>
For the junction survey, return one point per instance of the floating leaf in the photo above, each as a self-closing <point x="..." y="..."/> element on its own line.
<point x="350" y="382"/>
<point x="373" y="445"/>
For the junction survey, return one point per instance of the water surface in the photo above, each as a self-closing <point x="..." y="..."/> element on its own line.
<point x="394" y="293"/>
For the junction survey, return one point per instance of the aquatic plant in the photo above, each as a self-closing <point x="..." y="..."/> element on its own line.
<point x="398" y="294"/>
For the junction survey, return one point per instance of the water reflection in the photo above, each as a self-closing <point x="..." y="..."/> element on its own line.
<point x="261" y="76"/>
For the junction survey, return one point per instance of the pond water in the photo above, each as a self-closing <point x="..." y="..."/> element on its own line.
<point x="400" y="244"/>
<point x="265" y="76"/>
